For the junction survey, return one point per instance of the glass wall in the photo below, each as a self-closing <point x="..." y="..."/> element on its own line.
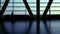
<point x="54" y="9"/>
<point x="20" y="9"/>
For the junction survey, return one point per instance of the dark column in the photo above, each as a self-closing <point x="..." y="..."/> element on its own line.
<point x="45" y="14"/>
<point x="30" y="15"/>
<point x="1" y="17"/>
<point x="38" y="15"/>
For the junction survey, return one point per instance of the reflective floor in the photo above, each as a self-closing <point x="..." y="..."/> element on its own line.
<point x="20" y="27"/>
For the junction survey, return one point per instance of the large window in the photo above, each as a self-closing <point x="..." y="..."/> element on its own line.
<point x="20" y="9"/>
<point x="54" y="9"/>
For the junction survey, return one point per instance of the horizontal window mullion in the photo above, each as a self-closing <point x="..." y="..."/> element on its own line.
<point x="51" y="6"/>
<point x="51" y="10"/>
<point x="19" y="6"/>
<point x="22" y="2"/>
<point x="20" y="10"/>
<point x="47" y="2"/>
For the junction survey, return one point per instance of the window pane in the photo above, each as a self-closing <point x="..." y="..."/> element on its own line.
<point x="55" y="7"/>
<point x="43" y="4"/>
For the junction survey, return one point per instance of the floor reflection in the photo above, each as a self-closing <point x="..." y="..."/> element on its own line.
<point x="21" y="26"/>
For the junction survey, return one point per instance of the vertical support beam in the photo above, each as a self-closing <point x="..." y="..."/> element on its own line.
<point x="38" y="15"/>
